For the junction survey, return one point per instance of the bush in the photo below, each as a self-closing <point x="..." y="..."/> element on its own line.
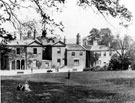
<point x="86" y="69"/>
<point x="49" y="71"/>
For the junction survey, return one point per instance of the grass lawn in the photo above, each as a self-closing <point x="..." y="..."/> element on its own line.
<point x="83" y="87"/>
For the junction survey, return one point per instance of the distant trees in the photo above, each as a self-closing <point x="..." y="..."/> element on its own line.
<point x="103" y="36"/>
<point x="121" y="60"/>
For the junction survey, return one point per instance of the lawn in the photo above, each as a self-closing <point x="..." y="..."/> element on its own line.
<point x="83" y="87"/>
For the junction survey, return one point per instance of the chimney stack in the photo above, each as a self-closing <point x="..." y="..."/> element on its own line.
<point x="29" y="34"/>
<point x="78" y="39"/>
<point x="34" y="35"/>
<point x="20" y="35"/>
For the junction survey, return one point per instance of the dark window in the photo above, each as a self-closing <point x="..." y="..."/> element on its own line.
<point x="18" y="50"/>
<point x="18" y="64"/>
<point x="110" y="53"/>
<point x="105" y="54"/>
<point x="59" y="50"/>
<point x="81" y="53"/>
<point x="59" y="62"/>
<point x="34" y="50"/>
<point x="76" y="62"/>
<point x="73" y="53"/>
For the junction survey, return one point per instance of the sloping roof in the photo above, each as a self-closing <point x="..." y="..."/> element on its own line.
<point x="96" y="47"/>
<point x="35" y="41"/>
<point x="74" y="47"/>
<point x="99" y="48"/>
<point x="62" y="43"/>
<point x="87" y="47"/>
<point x="16" y="42"/>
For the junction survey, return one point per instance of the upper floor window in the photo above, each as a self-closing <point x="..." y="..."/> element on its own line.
<point x="81" y="53"/>
<point x="18" y="50"/>
<point x="59" y="50"/>
<point x="73" y="53"/>
<point x="104" y="53"/>
<point x="34" y="50"/>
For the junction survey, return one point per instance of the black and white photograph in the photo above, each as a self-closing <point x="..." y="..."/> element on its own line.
<point x="67" y="51"/>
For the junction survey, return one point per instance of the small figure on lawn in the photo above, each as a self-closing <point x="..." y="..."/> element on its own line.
<point x="20" y="87"/>
<point x="69" y="74"/>
<point x="26" y="85"/>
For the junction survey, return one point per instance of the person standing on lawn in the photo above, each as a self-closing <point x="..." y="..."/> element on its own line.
<point x="69" y="74"/>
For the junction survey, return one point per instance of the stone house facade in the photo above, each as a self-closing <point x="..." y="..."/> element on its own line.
<point x="76" y="56"/>
<point x="33" y="54"/>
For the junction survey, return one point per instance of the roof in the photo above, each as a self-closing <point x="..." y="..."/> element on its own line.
<point x="22" y="42"/>
<point x="99" y="47"/>
<point x="96" y="47"/>
<point x="87" y="47"/>
<point x="59" y="43"/>
<point x="74" y="47"/>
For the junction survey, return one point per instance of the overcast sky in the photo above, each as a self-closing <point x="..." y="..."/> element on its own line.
<point x="79" y="20"/>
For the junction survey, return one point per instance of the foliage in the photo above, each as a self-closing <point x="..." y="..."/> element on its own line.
<point x="38" y="63"/>
<point x="93" y="58"/>
<point x="110" y="7"/>
<point x="9" y="9"/>
<point x="117" y="64"/>
<point x="103" y="36"/>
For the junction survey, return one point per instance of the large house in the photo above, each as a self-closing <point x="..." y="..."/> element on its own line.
<point x="41" y="53"/>
<point x="36" y="53"/>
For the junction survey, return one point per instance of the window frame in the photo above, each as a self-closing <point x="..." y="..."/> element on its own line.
<point x="76" y="62"/>
<point x="72" y="53"/>
<point x="18" y="50"/>
<point x="81" y="53"/>
<point x="34" y="50"/>
<point x="59" y="50"/>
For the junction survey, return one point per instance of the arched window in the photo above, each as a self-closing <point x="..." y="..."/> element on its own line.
<point x="22" y="65"/>
<point x="18" y="64"/>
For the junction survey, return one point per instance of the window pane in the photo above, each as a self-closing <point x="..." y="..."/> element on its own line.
<point x="81" y="53"/>
<point x="58" y="50"/>
<point x="18" y="50"/>
<point x="58" y="62"/>
<point x="34" y="50"/>
<point x="76" y="62"/>
<point x="73" y="53"/>
<point x="105" y="54"/>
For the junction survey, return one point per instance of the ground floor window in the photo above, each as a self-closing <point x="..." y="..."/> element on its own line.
<point x="18" y="64"/>
<point x="22" y="65"/>
<point x="58" y="62"/>
<point x="76" y="62"/>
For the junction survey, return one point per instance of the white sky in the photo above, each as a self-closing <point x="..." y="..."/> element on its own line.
<point x="79" y="20"/>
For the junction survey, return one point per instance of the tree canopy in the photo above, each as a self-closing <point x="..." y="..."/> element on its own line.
<point x="9" y="8"/>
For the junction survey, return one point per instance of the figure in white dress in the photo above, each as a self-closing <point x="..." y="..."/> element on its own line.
<point x="26" y="85"/>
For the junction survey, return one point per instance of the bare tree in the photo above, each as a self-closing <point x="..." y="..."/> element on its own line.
<point x="104" y="7"/>
<point x="123" y="48"/>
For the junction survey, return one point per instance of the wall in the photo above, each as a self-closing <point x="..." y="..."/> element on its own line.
<point x="56" y="56"/>
<point x="70" y="59"/>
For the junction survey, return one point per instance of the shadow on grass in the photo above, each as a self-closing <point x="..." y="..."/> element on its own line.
<point x="45" y="92"/>
<point x="129" y="82"/>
